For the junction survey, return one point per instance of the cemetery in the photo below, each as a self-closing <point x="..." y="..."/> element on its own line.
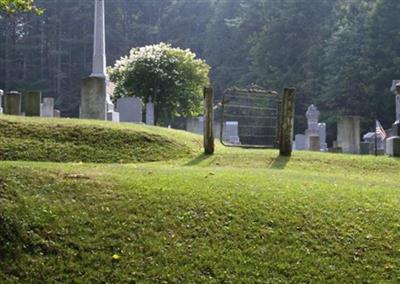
<point x="157" y="172"/>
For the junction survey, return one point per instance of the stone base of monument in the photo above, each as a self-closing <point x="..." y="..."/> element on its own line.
<point x="113" y="116"/>
<point x="93" y="98"/>
<point x="314" y="143"/>
<point x="393" y="146"/>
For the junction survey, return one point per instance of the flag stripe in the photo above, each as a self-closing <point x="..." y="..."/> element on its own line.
<point x="379" y="131"/>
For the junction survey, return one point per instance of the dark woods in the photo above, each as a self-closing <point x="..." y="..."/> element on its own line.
<point x="340" y="55"/>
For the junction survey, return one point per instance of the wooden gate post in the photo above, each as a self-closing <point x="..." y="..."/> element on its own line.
<point x="208" y="121"/>
<point x="286" y="122"/>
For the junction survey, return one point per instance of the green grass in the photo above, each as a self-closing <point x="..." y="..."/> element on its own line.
<point x="240" y="216"/>
<point x="71" y="140"/>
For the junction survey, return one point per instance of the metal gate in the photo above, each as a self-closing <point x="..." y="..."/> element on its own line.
<point x="250" y="117"/>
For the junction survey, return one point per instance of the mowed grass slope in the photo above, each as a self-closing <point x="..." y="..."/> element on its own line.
<point x="240" y="216"/>
<point x="72" y="140"/>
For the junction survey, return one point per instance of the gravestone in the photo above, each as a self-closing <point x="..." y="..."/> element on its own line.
<point x="322" y="136"/>
<point x="32" y="103"/>
<point x="130" y="109"/>
<point x="47" y="107"/>
<point x="231" y="133"/>
<point x="150" y="113"/>
<point x="393" y="146"/>
<point x="370" y="138"/>
<point x="312" y="115"/>
<point x="366" y="148"/>
<point x="300" y="142"/>
<point x="314" y="143"/>
<point x="1" y="101"/>
<point x="57" y="113"/>
<point x="349" y="134"/>
<point x="12" y="103"/>
<point x="113" y="116"/>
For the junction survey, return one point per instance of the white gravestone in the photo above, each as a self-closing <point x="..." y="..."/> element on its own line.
<point x="232" y="132"/>
<point x="312" y="115"/>
<point x="322" y="136"/>
<point x="113" y="116"/>
<point x="130" y="109"/>
<point x="150" y="113"/>
<point x="300" y="142"/>
<point x="349" y="134"/>
<point x="398" y="108"/>
<point x="47" y="107"/>
<point x="57" y="113"/>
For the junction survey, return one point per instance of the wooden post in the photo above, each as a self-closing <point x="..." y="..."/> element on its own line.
<point x="286" y="123"/>
<point x="208" y="121"/>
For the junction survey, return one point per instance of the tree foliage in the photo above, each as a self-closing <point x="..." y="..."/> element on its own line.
<point x="171" y="78"/>
<point x="340" y="55"/>
<point x="15" y="6"/>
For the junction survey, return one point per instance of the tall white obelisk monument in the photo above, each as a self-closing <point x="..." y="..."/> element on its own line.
<point x="95" y="102"/>
<point x="99" y="41"/>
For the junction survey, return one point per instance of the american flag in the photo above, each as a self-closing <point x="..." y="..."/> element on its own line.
<point x="379" y="131"/>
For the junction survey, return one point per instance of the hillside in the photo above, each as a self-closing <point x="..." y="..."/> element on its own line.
<point x="240" y="216"/>
<point x="71" y="140"/>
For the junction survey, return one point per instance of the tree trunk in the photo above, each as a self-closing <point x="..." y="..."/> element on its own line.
<point x="286" y="122"/>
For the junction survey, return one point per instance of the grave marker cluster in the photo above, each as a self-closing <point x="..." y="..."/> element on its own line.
<point x="314" y="138"/>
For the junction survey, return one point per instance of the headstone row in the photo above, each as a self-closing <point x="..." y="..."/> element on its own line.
<point x="230" y="130"/>
<point x="33" y="105"/>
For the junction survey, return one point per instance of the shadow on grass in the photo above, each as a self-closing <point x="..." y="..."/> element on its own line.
<point x="198" y="160"/>
<point x="279" y="163"/>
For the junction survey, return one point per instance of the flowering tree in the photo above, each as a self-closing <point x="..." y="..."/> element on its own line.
<point x="14" y="6"/>
<point x="171" y="78"/>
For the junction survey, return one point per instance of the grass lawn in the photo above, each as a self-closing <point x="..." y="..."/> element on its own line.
<point x="240" y="216"/>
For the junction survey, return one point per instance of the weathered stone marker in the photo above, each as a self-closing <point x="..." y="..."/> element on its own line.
<point x="349" y="134"/>
<point x="208" y="121"/>
<point x="300" y="142"/>
<point x="286" y="122"/>
<point x="130" y="109"/>
<point x="314" y="143"/>
<point x="57" y="113"/>
<point x="93" y="98"/>
<point x="232" y="132"/>
<point x="47" y="107"/>
<point x="322" y="136"/>
<point x="150" y="113"/>
<point x="32" y="103"/>
<point x="312" y="115"/>
<point x="12" y="103"/>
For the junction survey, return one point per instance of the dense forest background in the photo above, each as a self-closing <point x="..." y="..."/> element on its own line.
<point x="340" y="54"/>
